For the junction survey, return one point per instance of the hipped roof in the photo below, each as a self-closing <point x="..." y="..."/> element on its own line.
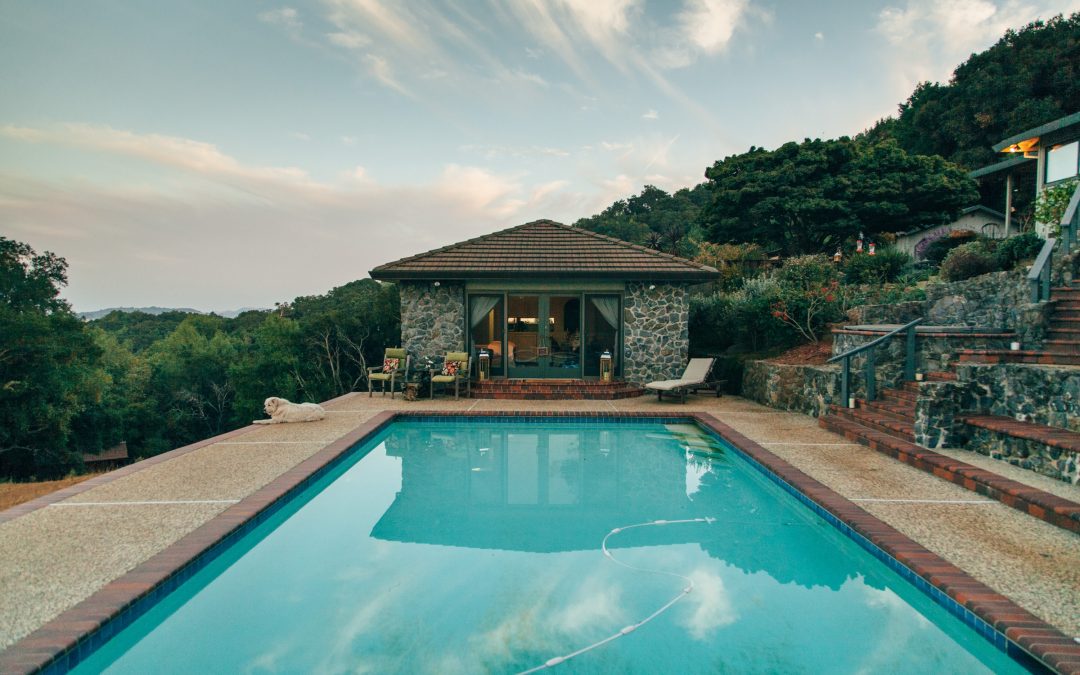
<point x="544" y="249"/>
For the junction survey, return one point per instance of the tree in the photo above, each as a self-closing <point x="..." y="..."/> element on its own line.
<point x="48" y="365"/>
<point x="1030" y="77"/>
<point x="808" y="197"/>
<point x="654" y="218"/>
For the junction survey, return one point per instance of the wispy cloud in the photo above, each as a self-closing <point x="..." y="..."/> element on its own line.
<point x="348" y="224"/>
<point x="650" y="115"/>
<point x="283" y="16"/>
<point x="930" y="38"/>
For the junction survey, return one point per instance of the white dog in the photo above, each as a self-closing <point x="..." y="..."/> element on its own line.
<point x="281" y="411"/>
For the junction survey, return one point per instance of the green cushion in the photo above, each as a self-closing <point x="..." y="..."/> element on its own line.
<point x="379" y="376"/>
<point x="395" y="353"/>
<point x="457" y="356"/>
<point x="442" y="378"/>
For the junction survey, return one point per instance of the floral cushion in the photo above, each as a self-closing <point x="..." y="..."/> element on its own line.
<point x="451" y="368"/>
<point x="390" y="365"/>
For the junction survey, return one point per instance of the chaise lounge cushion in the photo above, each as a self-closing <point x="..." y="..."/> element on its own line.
<point x="696" y="372"/>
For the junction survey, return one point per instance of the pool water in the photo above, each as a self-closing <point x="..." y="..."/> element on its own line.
<point x="469" y="547"/>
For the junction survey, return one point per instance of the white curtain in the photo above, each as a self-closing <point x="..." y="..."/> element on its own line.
<point x="608" y="306"/>
<point x="481" y="305"/>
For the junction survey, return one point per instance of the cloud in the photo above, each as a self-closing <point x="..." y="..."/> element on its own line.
<point x="929" y="38"/>
<point x="650" y="115"/>
<point x="300" y="136"/>
<point x="380" y="69"/>
<point x="246" y="227"/>
<point x="349" y="140"/>
<point x="349" y="39"/>
<point x="283" y="16"/>
<point x="710" y="24"/>
<point x="819" y="36"/>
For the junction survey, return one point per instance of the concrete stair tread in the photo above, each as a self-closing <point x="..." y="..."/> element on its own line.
<point x="1043" y="505"/>
<point x="1052" y="436"/>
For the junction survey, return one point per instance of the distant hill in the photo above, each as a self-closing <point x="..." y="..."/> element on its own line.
<point x="99" y="313"/>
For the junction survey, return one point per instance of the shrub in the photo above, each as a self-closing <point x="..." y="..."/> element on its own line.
<point x="937" y="251"/>
<point x="736" y="262"/>
<point x="810" y="295"/>
<point x="1052" y="202"/>
<point x="968" y="260"/>
<point x="885" y="267"/>
<point x="1014" y="249"/>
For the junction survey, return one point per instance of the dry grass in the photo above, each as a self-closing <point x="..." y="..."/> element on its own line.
<point x="12" y="494"/>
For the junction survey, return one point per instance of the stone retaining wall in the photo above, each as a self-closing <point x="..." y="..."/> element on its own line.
<point x="1031" y="455"/>
<point x="932" y="353"/>
<point x="657" y="339"/>
<point x="805" y="389"/>
<point x="1047" y="395"/>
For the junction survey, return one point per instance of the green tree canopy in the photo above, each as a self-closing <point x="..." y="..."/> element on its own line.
<point x="805" y="197"/>
<point x="1029" y="77"/>
<point x="654" y="218"/>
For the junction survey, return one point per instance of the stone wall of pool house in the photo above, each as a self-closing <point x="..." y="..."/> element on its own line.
<point x="432" y="319"/>
<point x="657" y="340"/>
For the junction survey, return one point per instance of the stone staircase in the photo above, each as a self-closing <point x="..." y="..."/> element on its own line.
<point x="1062" y="344"/>
<point x="555" y="390"/>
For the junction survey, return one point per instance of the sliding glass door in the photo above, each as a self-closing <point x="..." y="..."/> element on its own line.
<point x="546" y="335"/>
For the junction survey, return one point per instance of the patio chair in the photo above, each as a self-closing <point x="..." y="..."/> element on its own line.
<point x="455" y="370"/>
<point x="394" y="370"/>
<point x="695" y="377"/>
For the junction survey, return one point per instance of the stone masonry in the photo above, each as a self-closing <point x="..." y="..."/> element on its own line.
<point x="656" y="323"/>
<point x="432" y="319"/>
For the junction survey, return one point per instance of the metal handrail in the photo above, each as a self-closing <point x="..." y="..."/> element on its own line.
<point x="871" y="381"/>
<point x="1069" y="220"/>
<point x="1039" y="276"/>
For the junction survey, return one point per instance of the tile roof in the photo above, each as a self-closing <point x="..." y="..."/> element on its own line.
<point x="544" y="248"/>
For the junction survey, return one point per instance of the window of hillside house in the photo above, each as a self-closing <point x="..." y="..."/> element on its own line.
<point x="1061" y="162"/>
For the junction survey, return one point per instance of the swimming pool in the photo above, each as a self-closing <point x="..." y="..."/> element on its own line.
<point x="475" y="545"/>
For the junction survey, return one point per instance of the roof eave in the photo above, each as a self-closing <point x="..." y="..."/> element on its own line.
<point x="1059" y="124"/>
<point x="448" y="275"/>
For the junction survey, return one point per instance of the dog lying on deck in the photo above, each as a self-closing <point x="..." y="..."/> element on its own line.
<point x="281" y="411"/>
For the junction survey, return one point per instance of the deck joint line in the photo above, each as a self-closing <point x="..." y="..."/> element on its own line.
<point x="924" y="501"/>
<point x="271" y="442"/>
<point x="790" y="443"/>
<point x="150" y="503"/>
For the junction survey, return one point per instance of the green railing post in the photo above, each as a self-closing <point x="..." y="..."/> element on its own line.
<point x="1046" y="281"/>
<point x="871" y="388"/>
<point x="845" y="377"/>
<point x="909" y="355"/>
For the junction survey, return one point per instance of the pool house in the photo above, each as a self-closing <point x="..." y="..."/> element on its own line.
<point x="548" y="301"/>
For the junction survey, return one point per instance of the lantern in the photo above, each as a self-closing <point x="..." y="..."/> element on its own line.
<point x="871" y="248"/>
<point x="605" y="366"/>
<point x="838" y="256"/>
<point x="483" y="366"/>
<point x="858" y="244"/>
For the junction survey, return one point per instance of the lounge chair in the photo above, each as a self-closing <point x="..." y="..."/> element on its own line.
<point x="394" y="370"/>
<point x="695" y="377"/>
<point x="459" y="363"/>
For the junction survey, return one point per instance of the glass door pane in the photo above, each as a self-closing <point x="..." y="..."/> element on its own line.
<point x="563" y="338"/>
<point x="523" y="343"/>
<point x="486" y="329"/>
<point x="602" y="318"/>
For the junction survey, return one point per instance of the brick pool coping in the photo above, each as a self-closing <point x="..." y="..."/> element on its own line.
<point x="77" y="632"/>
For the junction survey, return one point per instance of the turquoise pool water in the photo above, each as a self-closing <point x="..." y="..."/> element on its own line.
<point x="450" y="547"/>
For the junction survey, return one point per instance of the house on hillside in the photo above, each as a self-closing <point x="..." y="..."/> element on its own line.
<point x="1054" y="147"/>
<point x="546" y="300"/>
<point x="979" y="219"/>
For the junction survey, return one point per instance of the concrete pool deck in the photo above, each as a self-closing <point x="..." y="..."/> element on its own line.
<point x="57" y="552"/>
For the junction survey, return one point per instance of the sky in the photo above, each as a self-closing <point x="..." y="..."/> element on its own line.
<point x="224" y="155"/>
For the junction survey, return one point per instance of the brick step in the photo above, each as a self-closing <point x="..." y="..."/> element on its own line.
<point x="1059" y="334"/>
<point x="1048" y="357"/>
<point x="1065" y="293"/>
<point x="885" y="424"/>
<point x="932" y="376"/>
<point x="900" y="395"/>
<point x="553" y="390"/>
<point x="1053" y="509"/>
<point x="1030" y="431"/>
<point x="904" y="411"/>
<point x="1063" y="322"/>
<point x="1065" y="313"/>
<point x="1064" y="345"/>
